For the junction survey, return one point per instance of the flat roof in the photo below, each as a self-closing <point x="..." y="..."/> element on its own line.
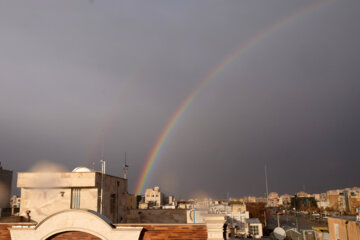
<point x="348" y="218"/>
<point x="253" y="220"/>
<point x="60" y="179"/>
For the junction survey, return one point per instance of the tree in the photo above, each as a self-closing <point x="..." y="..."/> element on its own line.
<point x="257" y="210"/>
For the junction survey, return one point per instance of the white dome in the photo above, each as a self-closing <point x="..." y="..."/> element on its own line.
<point x="81" y="169"/>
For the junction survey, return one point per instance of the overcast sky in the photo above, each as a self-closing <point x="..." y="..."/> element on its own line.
<point x="75" y="72"/>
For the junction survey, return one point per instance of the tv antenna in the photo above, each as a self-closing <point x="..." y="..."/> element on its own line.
<point x="266" y="183"/>
<point x="103" y="170"/>
<point x="126" y="167"/>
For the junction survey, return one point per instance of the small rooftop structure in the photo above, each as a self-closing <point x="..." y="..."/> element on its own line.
<point x="45" y="193"/>
<point x="348" y="218"/>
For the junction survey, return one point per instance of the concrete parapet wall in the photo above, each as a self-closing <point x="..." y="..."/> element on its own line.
<point x="56" y="179"/>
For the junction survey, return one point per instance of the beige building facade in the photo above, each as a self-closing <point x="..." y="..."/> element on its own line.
<point x="344" y="200"/>
<point x="153" y="197"/>
<point x="346" y="228"/>
<point x="43" y="194"/>
<point x="238" y="207"/>
<point x="273" y="199"/>
<point x="285" y="200"/>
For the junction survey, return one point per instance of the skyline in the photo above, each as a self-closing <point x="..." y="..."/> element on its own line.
<point x="79" y="75"/>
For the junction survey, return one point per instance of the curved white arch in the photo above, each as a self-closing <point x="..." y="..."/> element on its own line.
<point x="75" y="220"/>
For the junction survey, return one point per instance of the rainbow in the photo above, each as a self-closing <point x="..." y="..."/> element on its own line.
<point x="154" y="154"/>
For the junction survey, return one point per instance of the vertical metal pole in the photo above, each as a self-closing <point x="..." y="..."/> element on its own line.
<point x="265" y="220"/>
<point x="102" y="174"/>
<point x="102" y="185"/>
<point x="347" y="231"/>
<point x="266" y="182"/>
<point x="267" y="187"/>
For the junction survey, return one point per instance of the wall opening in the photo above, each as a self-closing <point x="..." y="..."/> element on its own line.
<point x="73" y="235"/>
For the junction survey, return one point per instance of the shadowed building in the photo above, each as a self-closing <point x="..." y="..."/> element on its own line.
<point x="5" y="187"/>
<point x="302" y="202"/>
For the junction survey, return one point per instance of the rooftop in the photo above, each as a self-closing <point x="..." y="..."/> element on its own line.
<point x="253" y="220"/>
<point x="349" y="218"/>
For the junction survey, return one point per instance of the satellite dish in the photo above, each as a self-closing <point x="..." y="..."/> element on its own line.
<point x="279" y="233"/>
<point x="81" y="169"/>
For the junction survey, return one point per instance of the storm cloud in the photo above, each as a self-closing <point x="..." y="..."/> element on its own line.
<point x="79" y="75"/>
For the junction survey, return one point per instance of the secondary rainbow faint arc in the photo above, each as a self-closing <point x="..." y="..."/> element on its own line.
<point x="105" y="123"/>
<point x="185" y="104"/>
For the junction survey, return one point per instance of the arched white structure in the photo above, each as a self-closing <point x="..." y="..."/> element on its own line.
<point x="75" y="220"/>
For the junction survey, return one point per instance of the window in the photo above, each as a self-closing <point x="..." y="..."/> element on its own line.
<point x="75" y="197"/>
<point x="254" y="230"/>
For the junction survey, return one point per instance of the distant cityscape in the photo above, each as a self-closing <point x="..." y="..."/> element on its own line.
<point x="45" y="194"/>
<point x="341" y="201"/>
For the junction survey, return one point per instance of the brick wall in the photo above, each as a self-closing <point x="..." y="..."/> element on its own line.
<point x="4" y="232"/>
<point x="181" y="231"/>
<point x="73" y="236"/>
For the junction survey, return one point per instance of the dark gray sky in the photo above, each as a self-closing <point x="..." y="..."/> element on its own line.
<point x="70" y="70"/>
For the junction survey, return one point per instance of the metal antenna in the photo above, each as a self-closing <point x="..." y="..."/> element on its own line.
<point x="103" y="169"/>
<point x="266" y="184"/>
<point x="103" y="146"/>
<point x="125" y="168"/>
